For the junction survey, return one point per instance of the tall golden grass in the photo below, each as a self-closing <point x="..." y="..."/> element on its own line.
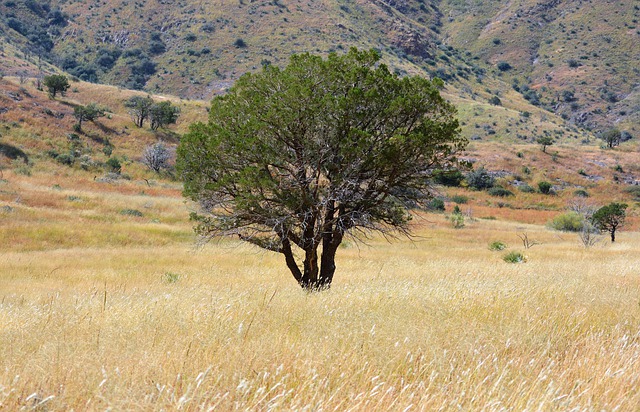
<point x="437" y="323"/>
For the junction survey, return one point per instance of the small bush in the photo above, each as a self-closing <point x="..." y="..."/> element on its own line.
<point x="504" y="66"/>
<point x="497" y="246"/>
<point x="240" y="43"/>
<point x="544" y="187"/>
<point x="514" y="257"/>
<point x="459" y="199"/>
<point x="526" y="189"/>
<point x="170" y="277"/>
<point x="436" y="205"/>
<point x="500" y="192"/>
<point x="131" y="212"/>
<point x="581" y="193"/>
<point x="114" y="165"/>
<point x="480" y="179"/>
<point x="457" y="220"/>
<point x="568" y="222"/>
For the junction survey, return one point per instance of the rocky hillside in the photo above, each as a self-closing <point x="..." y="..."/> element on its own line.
<point x="573" y="59"/>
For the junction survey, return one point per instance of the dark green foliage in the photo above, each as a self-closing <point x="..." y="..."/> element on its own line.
<point x="240" y="43"/>
<point x="436" y="205"/>
<point x="581" y="193"/>
<point x="114" y="165"/>
<point x="609" y="218"/>
<point x="451" y="178"/>
<point x="56" y="83"/>
<point x="500" y="192"/>
<point x="163" y="114"/>
<point x="480" y="179"/>
<point x="504" y="66"/>
<point x="301" y="156"/>
<point x="545" y="187"/>
<point x="459" y="199"/>
<point x="495" y="100"/>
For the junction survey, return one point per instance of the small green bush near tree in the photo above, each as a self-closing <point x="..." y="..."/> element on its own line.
<point x="514" y="257"/>
<point x="497" y="246"/>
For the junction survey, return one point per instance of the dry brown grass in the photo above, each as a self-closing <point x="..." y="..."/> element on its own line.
<point x="100" y="310"/>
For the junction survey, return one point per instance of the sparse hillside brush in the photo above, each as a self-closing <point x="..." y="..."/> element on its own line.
<point x="460" y="199"/>
<point x="633" y="191"/>
<point x="568" y="222"/>
<point x="500" y="192"/>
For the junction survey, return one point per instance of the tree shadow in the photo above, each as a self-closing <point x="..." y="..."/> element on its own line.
<point x="13" y="152"/>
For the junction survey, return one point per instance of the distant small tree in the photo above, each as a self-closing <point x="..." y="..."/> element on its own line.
<point x="56" y="83"/>
<point x="611" y="137"/>
<point x="609" y="218"/>
<point x="162" y="114"/>
<point x="139" y="108"/>
<point x="544" y="141"/>
<point x="89" y="112"/>
<point x="495" y="100"/>
<point x="156" y="157"/>
<point x="545" y="187"/>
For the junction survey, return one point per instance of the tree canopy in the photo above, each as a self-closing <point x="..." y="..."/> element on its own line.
<point x="163" y="114"/>
<point x="610" y="217"/>
<point x="56" y="83"/>
<point x="139" y="108"/>
<point x="297" y="158"/>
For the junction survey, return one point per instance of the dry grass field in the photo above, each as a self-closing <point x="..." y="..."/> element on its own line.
<point x="101" y="310"/>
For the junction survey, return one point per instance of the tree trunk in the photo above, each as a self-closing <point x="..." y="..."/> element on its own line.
<point x="613" y="235"/>
<point x="309" y="279"/>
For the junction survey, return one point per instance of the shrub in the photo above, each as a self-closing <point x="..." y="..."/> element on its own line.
<point x="450" y="178"/>
<point x="480" y="179"/>
<point x="504" y="66"/>
<point x="495" y="100"/>
<point x="514" y="257"/>
<point x="581" y="193"/>
<point x="459" y="199"/>
<point x="240" y="43"/>
<point x="544" y="187"/>
<point x="500" y="192"/>
<point x="457" y="220"/>
<point x="114" y="165"/>
<point x="568" y="222"/>
<point x="526" y="189"/>
<point x="497" y="246"/>
<point x="436" y="205"/>
<point x="131" y="212"/>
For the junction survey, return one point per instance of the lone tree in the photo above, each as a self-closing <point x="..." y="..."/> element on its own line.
<point x="162" y="114"/>
<point x="544" y="141"/>
<point x="139" y="108"/>
<point x="302" y="156"/>
<point x="609" y="218"/>
<point x="56" y="83"/>
<point x="611" y="137"/>
<point x="89" y="112"/>
<point x="157" y="157"/>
